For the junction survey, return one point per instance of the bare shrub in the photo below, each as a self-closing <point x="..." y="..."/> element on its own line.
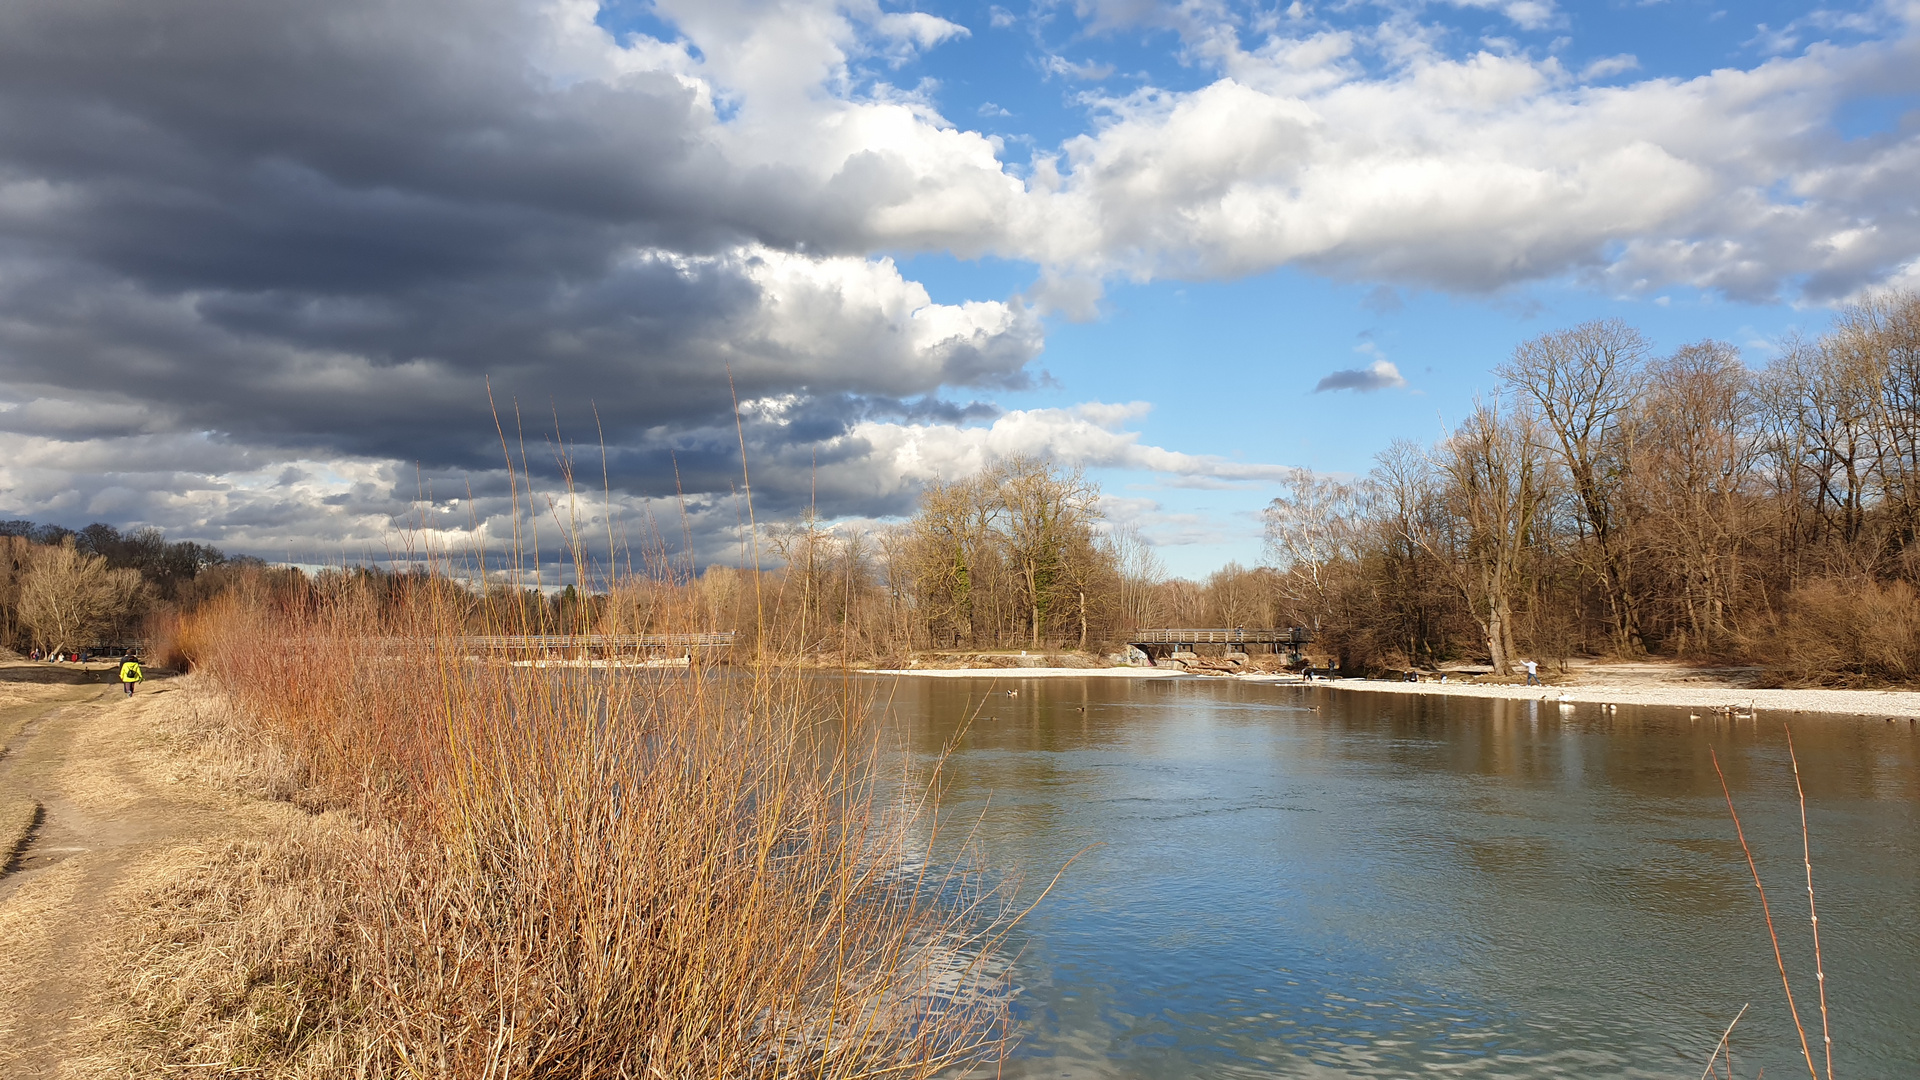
<point x="617" y="872"/>
<point x="67" y="598"/>
<point x="1849" y="631"/>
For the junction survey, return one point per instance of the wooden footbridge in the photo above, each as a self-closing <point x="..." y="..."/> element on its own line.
<point x="1161" y="643"/>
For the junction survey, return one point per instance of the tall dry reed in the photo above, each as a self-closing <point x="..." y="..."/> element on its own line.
<point x="609" y="872"/>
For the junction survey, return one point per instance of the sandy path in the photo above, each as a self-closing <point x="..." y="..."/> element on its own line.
<point x="113" y="798"/>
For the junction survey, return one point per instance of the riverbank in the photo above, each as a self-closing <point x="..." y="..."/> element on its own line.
<point x="1646" y="683"/>
<point x="1902" y="704"/>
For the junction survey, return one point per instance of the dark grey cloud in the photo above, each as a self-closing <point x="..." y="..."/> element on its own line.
<point x="385" y="143"/>
<point x="1379" y="375"/>
<point x="236" y="234"/>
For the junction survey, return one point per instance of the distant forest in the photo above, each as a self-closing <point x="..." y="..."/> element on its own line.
<point x="1607" y="500"/>
<point x="67" y="590"/>
<point x="1612" y="501"/>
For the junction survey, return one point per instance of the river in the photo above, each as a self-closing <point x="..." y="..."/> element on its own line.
<point x="1287" y="881"/>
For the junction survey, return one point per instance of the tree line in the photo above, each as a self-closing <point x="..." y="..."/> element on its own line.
<point x="1609" y="500"/>
<point x="1605" y="500"/>
<point x="63" y="590"/>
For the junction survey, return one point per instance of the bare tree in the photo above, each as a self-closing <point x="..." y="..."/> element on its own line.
<point x="1881" y="336"/>
<point x="807" y="548"/>
<point x="1240" y="597"/>
<point x="67" y="598"/>
<point x="1584" y="381"/>
<point x="1494" y="488"/>
<point x="1826" y="396"/>
<point x="895" y="544"/>
<point x="1138" y="571"/>
<point x="14" y="552"/>
<point x="1700" y="450"/>
<point x="1785" y="452"/>
<point x="1311" y="527"/>
<point x="1088" y="583"/>
<point x="1012" y="554"/>
<point x="1407" y="506"/>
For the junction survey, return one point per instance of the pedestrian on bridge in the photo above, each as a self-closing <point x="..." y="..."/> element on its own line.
<point x="130" y="673"/>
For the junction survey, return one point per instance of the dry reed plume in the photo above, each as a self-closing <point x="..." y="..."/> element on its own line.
<point x="609" y="872"/>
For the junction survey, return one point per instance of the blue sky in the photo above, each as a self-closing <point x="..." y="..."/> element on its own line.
<point x="264" y="273"/>
<point x="1006" y="59"/>
<point x="1229" y="366"/>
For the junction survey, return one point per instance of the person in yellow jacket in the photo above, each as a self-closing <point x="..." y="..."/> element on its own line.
<point x="130" y="673"/>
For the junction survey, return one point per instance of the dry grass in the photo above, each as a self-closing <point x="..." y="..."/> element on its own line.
<point x="244" y="961"/>
<point x="526" y="872"/>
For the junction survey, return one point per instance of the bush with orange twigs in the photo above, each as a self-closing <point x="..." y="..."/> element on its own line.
<point x="615" y="871"/>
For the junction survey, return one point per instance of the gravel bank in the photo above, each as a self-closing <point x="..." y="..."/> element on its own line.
<point x="1034" y="672"/>
<point x="1870" y="703"/>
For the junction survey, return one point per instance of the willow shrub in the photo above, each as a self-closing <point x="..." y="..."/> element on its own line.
<point x="610" y="871"/>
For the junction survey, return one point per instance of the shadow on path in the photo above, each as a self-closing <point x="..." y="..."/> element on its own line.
<point x="71" y="674"/>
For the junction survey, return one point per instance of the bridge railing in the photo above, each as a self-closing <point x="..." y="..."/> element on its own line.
<point x="1293" y="635"/>
<point x="719" y="639"/>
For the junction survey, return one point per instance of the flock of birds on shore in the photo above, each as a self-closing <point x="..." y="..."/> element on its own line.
<point x="1725" y="712"/>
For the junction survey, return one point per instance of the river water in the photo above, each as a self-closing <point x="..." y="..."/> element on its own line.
<point x="1288" y="881"/>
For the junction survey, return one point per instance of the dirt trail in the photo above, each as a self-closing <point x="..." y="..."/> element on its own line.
<point x="111" y="796"/>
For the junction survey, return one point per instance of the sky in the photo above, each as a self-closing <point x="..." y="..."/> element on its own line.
<point x="301" y="280"/>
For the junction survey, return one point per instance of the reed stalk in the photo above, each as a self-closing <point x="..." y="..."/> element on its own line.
<point x="1767" y="911"/>
<point x="1813" y="912"/>
<point x="1722" y="1047"/>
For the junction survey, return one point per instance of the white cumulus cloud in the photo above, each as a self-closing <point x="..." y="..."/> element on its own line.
<point x="1474" y="173"/>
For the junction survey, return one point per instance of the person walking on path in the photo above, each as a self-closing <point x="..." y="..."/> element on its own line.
<point x="130" y="673"/>
<point x="1533" y="673"/>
